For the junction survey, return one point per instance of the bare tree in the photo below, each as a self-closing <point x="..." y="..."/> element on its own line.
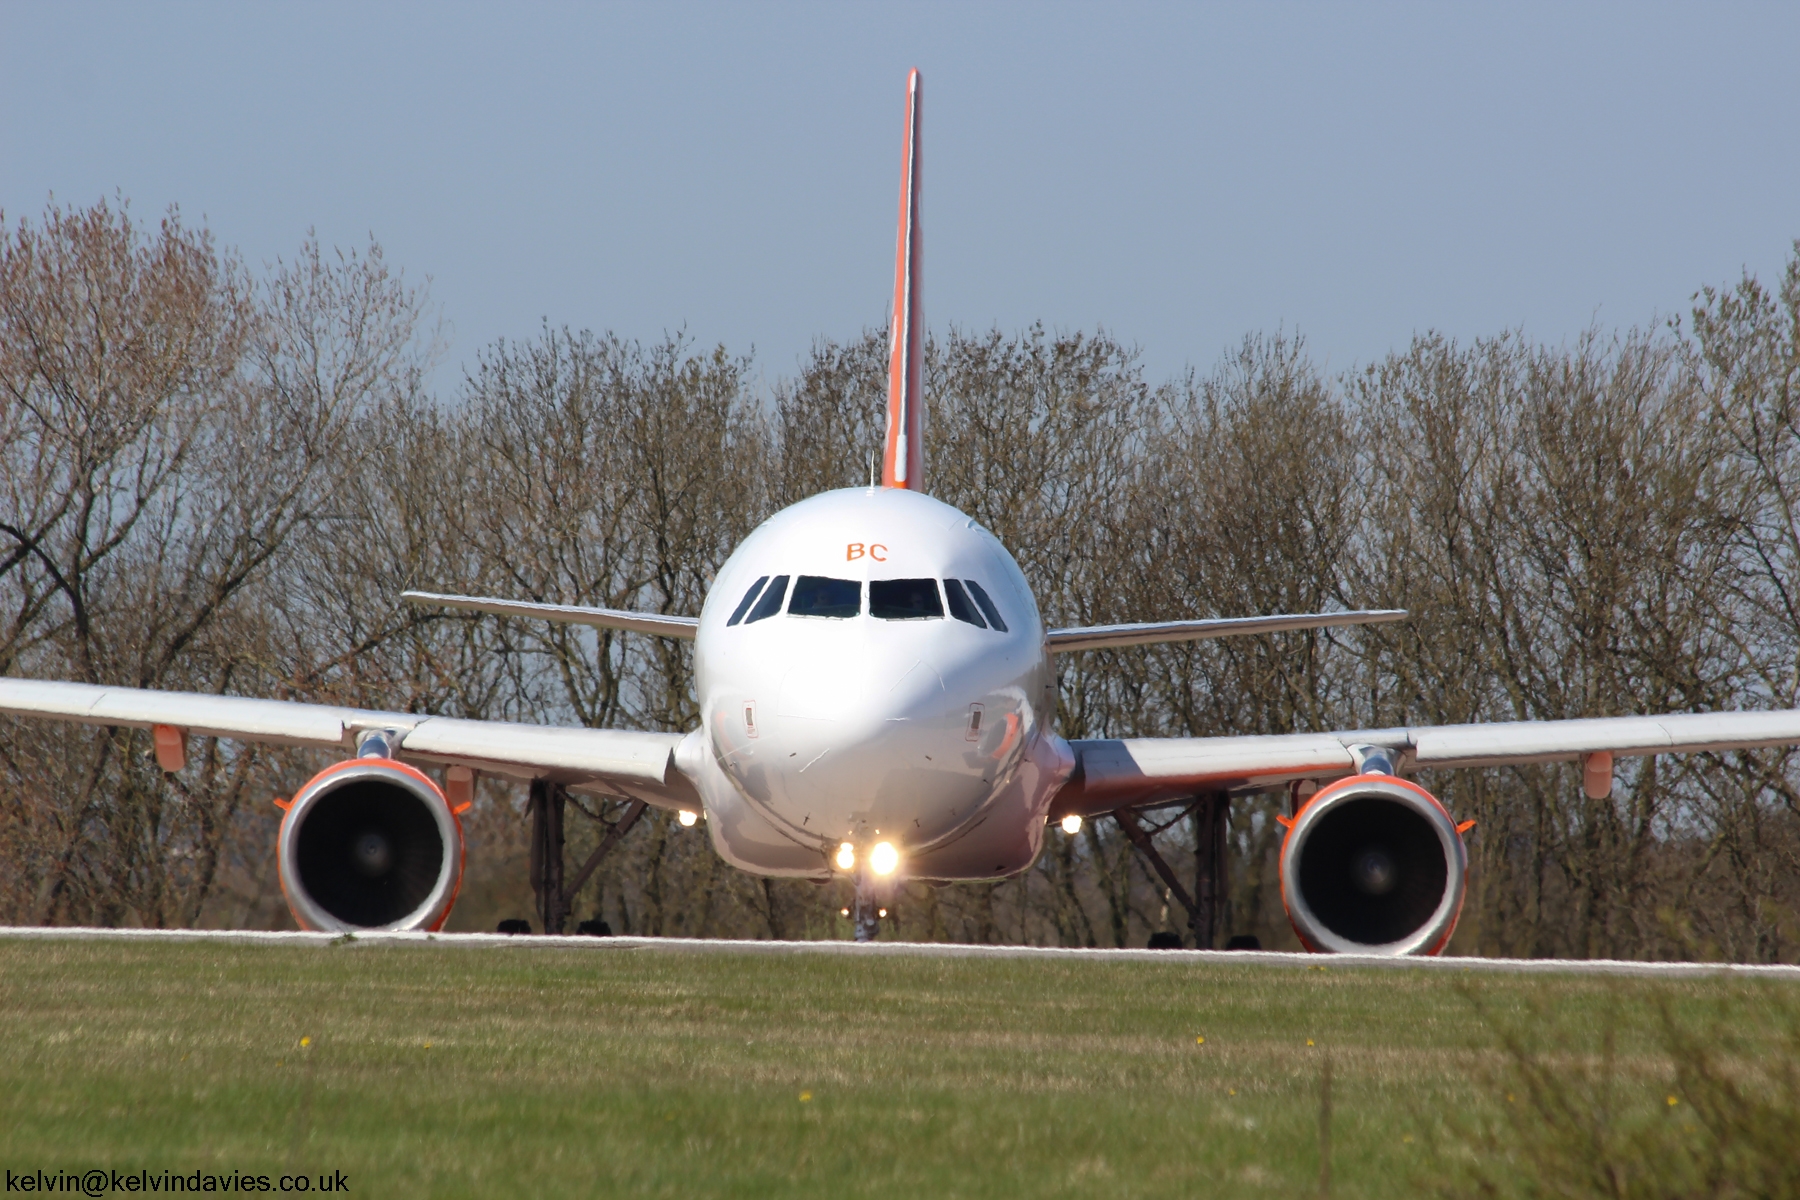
<point x="220" y="481"/>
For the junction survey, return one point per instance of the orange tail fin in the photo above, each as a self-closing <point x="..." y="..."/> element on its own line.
<point x="903" y="463"/>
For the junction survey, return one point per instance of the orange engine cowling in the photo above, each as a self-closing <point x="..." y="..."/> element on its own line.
<point x="1373" y="865"/>
<point x="370" y="844"/>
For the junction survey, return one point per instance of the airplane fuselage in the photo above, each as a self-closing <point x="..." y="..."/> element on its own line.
<point x="870" y="665"/>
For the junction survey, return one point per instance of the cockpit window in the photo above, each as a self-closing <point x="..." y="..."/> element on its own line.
<point x="961" y="607"/>
<point x="987" y="605"/>
<point x="770" y="604"/>
<point x="749" y="599"/>
<point x="817" y="596"/>
<point x="904" y="599"/>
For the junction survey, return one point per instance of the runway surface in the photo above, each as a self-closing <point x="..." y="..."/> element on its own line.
<point x="1236" y="958"/>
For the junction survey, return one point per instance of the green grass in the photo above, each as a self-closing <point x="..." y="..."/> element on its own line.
<point x="515" y="1071"/>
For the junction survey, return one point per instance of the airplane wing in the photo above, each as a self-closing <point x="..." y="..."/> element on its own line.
<point x="1123" y="773"/>
<point x="610" y="761"/>
<point x="660" y="624"/>
<point x="1092" y="637"/>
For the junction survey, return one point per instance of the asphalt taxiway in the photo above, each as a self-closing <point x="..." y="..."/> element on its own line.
<point x="1236" y="958"/>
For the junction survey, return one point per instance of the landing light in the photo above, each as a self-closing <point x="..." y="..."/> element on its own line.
<point x="846" y="857"/>
<point x="884" y="858"/>
<point x="1071" y="824"/>
<point x="687" y="818"/>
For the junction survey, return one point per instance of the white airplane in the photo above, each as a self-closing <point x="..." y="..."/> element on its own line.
<point x="877" y="697"/>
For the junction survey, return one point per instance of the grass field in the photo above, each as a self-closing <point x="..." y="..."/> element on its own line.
<point x="531" y="1071"/>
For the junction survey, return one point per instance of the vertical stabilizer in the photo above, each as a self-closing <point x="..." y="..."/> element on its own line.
<point x="903" y="462"/>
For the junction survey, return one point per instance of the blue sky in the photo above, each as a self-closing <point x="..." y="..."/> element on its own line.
<point x="1181" y="174"/>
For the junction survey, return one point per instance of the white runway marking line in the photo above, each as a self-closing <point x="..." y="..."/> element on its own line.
<point x="1246" y="958"/>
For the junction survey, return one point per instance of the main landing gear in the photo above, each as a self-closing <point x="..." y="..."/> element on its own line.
<point x="555" y="894"/>
<point x="1205" y="905"/>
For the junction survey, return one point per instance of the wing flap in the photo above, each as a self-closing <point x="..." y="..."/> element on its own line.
<point x="1562" y="741"/>
<point x="1094" y="637"/>
<point x="1122" y="773"/>
<point x="1116" y="773"/>
<point x="271" y="721"/>
<point x="658" y="624"/>
<point x="543" y="751"/>
<point x="615" y="761"/>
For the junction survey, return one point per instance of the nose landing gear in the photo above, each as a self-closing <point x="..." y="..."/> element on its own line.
<point x="873" y="898"/>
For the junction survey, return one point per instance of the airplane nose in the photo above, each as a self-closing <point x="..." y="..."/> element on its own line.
<point x="860" y="710"/>
<point x="865" y="743"/>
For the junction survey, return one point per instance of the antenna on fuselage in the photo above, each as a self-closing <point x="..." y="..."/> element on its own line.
<point x="872" y="479"/>
<point x="903" y="463"/>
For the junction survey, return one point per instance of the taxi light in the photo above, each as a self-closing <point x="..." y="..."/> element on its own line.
<point x="1071" y="824"/>
<point x="846" y="857"/>
<point x="687" y="818"/>
<point x="884" y="858"/>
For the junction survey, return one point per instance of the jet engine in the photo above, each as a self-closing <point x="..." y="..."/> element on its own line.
<point x="370" y="844"/>
<point x="1373" y="865"/>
